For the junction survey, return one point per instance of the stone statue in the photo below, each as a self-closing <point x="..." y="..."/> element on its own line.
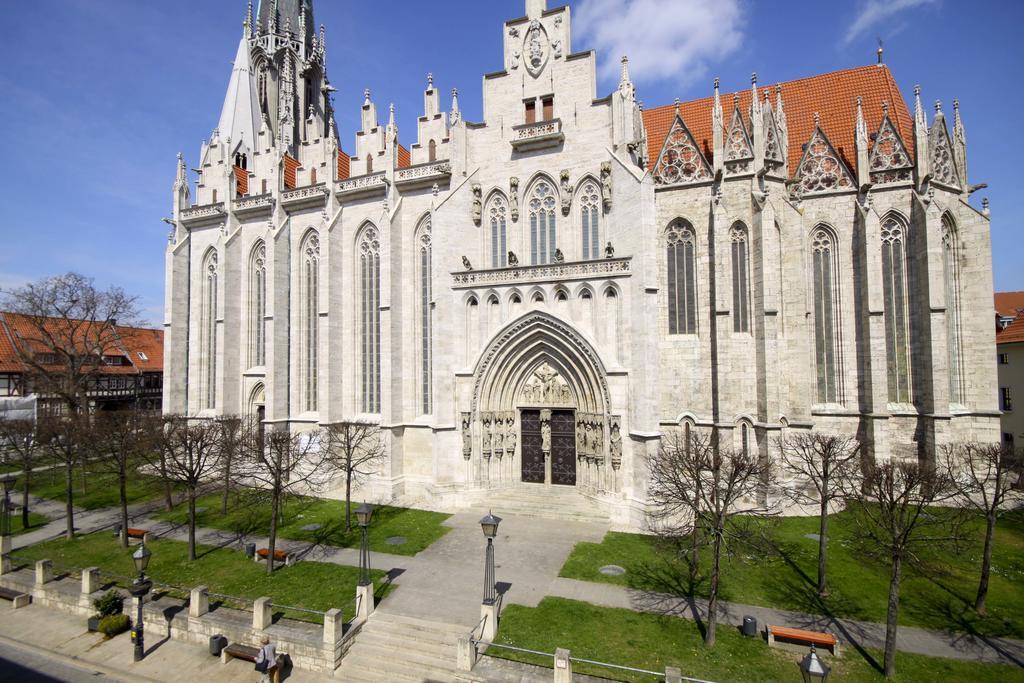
<point x="499" y="434"/>
<point x="487" y="435"/>
<point x="466" y="264"/>
<point x="566" y="193"/>
<point x="545" y="431"/>
<point x="477" y="204"/>
<point x="535" y="44"/>
<point x="589" y="438"/>
<point x="606" y="185"/>
<point x="510" y="440"/>
<point x="559" y="256"/>
<point x="609" y="251"/>
<point x="513" y="260"/>
<point x="616" y="442"/>
<point x="580" y="445"/>
<point x="513" y="197"/>
<point x="467" y="436"/>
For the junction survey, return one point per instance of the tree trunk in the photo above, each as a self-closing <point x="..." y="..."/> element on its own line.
<point x="24" y="499"/>
<point x="69" y="496"/>
<point x="168" y="492"/>
<point x="891" y="615"/>
<point x="275" y="502"/>
<point x="192" y="523"/>
<point x="716" y="564"/>
<point x="348" y="499"/>
<point x="122" y="484"/>
<point x="227" y="486"/>
<point x="84" y="473"/>
<point x="822" y="548"/>
<point x="695" y="550"/>
<point x="986" y="564"/>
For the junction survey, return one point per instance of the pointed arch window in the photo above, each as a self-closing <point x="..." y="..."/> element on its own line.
<point x="823" y="260"/>
<point x="426" y="323"/>
<point x="309" y="312"/>
<point x="369" y="318"/>
<point x="682" y="280"/>
<point x="497" y="214"/>
<point x="894" y="291"/>
<point x="951" y="273"/>
<point x="543" y="237"/>
<point x="208" y="329"/>
<point x="740" y="284"/>
<point x="258" y="304"/>
<point x="590" y="220"/>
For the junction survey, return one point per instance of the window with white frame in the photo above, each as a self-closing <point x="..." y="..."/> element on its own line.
<point x="823" y="262"/>
<point x="309" y="298"/>
<point x="257" y="304"/>
<point x="497" y="215"/>
<point x="682" y="280"/>
<point x="740" y="281"/>
<point x="369" y="321"/>
<point x="208" y="330"/>
<point x="894" y="294"/>
<point x="543" y="236"/>
<point x="590" y="220"/>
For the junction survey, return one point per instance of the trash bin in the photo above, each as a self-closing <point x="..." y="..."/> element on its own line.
<point x="749" y="626"/>
<point x="250" y="550"/>
<point x="217" y="643"/>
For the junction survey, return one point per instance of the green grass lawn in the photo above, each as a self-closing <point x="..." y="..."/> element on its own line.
<point x="783" y="573"/>
<point x="100" y="490"/>
<point x="34" y="522"/>
<point x="249" y="513"/>
<point x="652" y="642"/>
<point x="308" y="585"/>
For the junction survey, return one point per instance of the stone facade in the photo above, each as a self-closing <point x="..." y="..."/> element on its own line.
<point x="521" y="268"/>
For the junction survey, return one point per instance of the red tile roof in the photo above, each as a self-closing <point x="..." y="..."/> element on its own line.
<point x="241" y="181"/>
<point x="1014" y="332"/>
<point x="291" y="166"/>
<point x="1008" y="303"/>
<point x="404" y="158"/>
<point x="344" y="165"/>
<point x="145" y="347"/>
<point x="833" y="96"/>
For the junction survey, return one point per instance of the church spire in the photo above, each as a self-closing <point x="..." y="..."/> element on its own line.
<point x="240" y="115"/>
<point x="277" y="16"/>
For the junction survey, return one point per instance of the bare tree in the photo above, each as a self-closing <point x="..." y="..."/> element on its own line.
<point x="63" y="436"/>
<point x="699" y="479"/>
<point x="18" y="440"/>
<point x="68" y="326"/>
<point x="357" y="450"/>
<point x="983" y="475"/>
<point x="236" y="432"/>
<point x="895" y="515"/>
<point x="191" y="455"/>
<point x="157" y="454"/>
<point x="289" y="463"/>
<point x="119" y="441"/>
<point x="824" y="463"/>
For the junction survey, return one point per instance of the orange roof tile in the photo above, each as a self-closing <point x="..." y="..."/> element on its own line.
<point x="404" y="158"/>
<point x="832" y="95"/>
<point x="291" y="166"/>
<point x="1008" y="303"/>
<point x="145" y="341"/>
<point x="1014" y="332"/>
<point x="344" y="165"/>
<point x="241" y="181"/>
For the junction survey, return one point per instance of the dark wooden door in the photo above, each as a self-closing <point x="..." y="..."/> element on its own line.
<point x="531" y="453"/>
<point x="563" y="447"/>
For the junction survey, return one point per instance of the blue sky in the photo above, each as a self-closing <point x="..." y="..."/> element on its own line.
<point x="99" y="95"/>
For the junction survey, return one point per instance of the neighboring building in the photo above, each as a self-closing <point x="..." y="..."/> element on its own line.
<point x="535" y="297"/>
<point x="1010" y="365"/>
<point x="130" y="376"/>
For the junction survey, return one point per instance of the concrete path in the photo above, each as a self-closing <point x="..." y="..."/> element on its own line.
<point x="859" y="634"/>
<point x="70" y="648"/>
<point x="86" y="521"/>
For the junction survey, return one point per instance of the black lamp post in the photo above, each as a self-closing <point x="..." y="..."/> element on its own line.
<point x="813" y="669"/>
<point x="489" y="524"/>
<point x="7" y="481"/>
<point x="363" y="514"/>
<point x="139" y="589"/>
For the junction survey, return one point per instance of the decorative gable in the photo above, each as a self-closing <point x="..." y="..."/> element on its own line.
<point x="680" y="161"/>
<point x="821" y="169"/>
<point x="739" y="151"/>
<point x="772" y="139"/>
<point x="943" y="165"/>
<point x="889" y="161"/>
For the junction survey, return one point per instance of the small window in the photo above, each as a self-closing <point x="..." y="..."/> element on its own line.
<point x="516" y="299"/>
<point x="1004" y="359"/>
<point x="1005" y="399"/>
<point x="561" y="297"/>
<point x="531" y="111"/>
<point x="585" y="294"/>
<point x="538" y="298"/>
<point x="143" y="356"/>
<point x="549" y="108"/>
<point x="610" y="293"/>
<point x="1007" y="439"/>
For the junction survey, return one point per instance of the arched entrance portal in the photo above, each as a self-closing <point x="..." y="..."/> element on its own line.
<point x="540" y="411"/>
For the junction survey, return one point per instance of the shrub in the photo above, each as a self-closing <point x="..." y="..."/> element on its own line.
<point x="113" y="624"/>
<point x="108" y="604"/>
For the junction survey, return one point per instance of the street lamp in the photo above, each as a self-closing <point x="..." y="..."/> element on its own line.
<point x="139" y="589"/>
<point x="813" y="669"/>
<point x="7" y="481"/>
<point x="363" y="514"/>
<point x="489" y="525"/>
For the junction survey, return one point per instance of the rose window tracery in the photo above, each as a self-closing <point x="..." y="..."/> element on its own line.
<point x="738" y="150"/>
<point x="889" y="160"/>
<point x="942" y="164"/>
<point x="681" y="160"/>
<point x="821" y="169"/>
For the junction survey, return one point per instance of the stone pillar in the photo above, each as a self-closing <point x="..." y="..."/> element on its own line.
<point x="545" y="443"/>
<point x="563" y="667"/>
<point x="198" y="601"/>
<point x="364" y="598"/>
<point x="5" y="550"/>
<point x="673" y="675"/>
<point x="489" y="615"/>
<point x="262" y="615"/>
<point x="334" y="627"/>
<point x="466" y="654"/>
<point x="44" y="572"/>
<point x="90" y="580"/>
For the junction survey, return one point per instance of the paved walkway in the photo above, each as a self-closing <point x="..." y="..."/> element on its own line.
<point x="86" y="521"/>
<point x="859" y="634"/>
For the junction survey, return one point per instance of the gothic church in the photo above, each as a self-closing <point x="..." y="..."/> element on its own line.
<point x="529" y="301"/>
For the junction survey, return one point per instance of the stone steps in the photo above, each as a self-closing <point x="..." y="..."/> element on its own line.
<point x="548" y="503"/>
<point x="392" y="647"/>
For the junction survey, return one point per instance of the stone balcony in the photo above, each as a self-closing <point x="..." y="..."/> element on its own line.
<point x="202" y="214"/>
<point x="364" y="185"/>
<point x="254" y="204"/>
<point x="538" y="135"/>
<point x="550" y="272"/>
<point x="423" y="175"/>
<point x="301" y="197"/>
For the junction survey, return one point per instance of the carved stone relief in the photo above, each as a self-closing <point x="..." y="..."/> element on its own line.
<point x="467" y="436"/>
<point x="513" y="197"/>
<point x="546" y="387"/>
<point x="536" y="47"/>
<point x="477" y="204"/>
<point x="606" y="185"/>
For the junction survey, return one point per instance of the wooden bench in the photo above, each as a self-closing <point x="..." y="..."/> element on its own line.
<point x="137" y="534"/>
<point x="798" y="634"/>
<point x="248" y="654"/>
<point x="17" y="599"/>
<point x="279" y="556"/>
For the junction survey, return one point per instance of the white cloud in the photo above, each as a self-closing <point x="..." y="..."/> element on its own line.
<point x="663" y="38"/>
<point x="873" y="12"/>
